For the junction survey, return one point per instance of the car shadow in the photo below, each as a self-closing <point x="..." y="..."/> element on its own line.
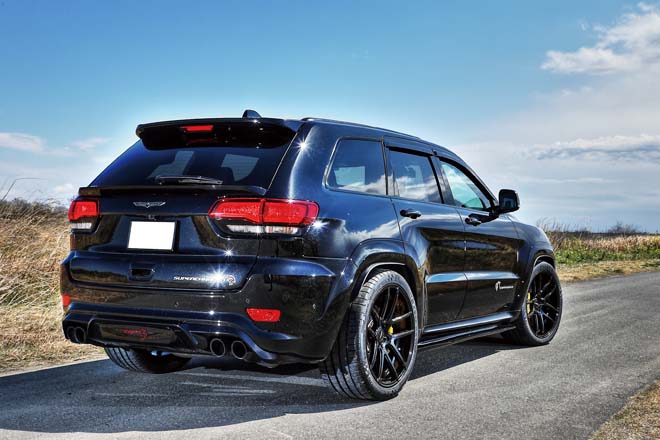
<point x="98" y="397"/>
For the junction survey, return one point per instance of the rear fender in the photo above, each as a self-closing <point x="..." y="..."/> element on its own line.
<point x="372" y="255"/>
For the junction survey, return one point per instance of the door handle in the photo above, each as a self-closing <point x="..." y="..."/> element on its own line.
<point x="412" y="213"/>
<point x="474" y="221"/>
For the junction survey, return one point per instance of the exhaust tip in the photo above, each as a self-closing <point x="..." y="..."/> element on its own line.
<point x="217" y="347"/>
<point x="238" y="349"/>
<point x="77" y="335"/>
<point x="71" y="334"/>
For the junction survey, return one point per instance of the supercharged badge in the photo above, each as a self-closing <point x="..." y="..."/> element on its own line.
<point x="230" y="280"/>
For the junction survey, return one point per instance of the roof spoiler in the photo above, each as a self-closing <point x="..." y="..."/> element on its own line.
<point x="250" y="130"/>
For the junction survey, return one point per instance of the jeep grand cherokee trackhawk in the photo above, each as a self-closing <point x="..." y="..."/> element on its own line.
<point x="316" y="241"/>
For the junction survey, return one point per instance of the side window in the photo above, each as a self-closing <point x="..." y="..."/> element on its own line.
<point x="358" y="166"/>
<point x="466" y="193"/>
<point x="414" y="177"/>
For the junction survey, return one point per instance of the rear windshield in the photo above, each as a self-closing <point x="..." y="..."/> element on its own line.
<point x="250" y="166"/>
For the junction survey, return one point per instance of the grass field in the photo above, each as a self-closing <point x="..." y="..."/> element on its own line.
<point x="34" y="238"/>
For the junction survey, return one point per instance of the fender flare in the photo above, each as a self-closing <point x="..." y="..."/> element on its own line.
<point x="541" y="252"/>
<point x="370" y="255"/>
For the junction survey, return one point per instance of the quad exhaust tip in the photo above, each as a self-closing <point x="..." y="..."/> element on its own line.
<point x="77" y="335"/>
<point x="238" y="349"/>
<point x="217" y="347"/>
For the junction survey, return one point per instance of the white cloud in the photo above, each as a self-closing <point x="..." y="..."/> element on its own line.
<point x="589" y="155"/>
<point x="89" y="143"/>
<point x="632" y="44"/>
<point x="22" y="142"/>
<point x="641" y="148"/>
<point x="64" y="189"/>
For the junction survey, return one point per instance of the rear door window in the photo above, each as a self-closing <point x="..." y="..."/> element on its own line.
<point x="359" y="166"/>
<point x="414" y="177"/>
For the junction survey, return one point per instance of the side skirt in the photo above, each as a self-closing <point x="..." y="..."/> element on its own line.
<point x="462" y="331"/>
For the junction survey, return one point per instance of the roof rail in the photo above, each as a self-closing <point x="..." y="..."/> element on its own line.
<point x="355" y="124"/>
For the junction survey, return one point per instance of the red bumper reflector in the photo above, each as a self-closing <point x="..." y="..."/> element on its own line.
<point x="66" y="300"/>
<point x="264" y="315"/>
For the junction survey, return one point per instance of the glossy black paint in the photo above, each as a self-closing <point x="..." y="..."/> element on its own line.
<point x="456" y="260"/>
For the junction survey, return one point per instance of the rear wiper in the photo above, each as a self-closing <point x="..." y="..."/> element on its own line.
<point x="187" y="180"/>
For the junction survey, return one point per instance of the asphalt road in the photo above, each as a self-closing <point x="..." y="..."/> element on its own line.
<point x="606" y="350"/>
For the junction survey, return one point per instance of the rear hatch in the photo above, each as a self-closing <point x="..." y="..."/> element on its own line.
<point x="144" y="221"/>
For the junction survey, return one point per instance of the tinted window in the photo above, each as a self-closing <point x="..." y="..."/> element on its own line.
<point x="233" y="165"/>
<point x="358" y="166"/>
<point x="466" y="193"/>
<point x="414" y="177"/>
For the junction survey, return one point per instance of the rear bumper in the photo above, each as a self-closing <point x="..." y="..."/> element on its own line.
<point x="312" y="308"/>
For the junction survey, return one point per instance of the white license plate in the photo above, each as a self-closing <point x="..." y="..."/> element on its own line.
<point x="151" y="235"/>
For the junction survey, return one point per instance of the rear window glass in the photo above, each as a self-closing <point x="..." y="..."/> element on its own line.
<point x="251" y="166"/>
<point x="358" y="166"/>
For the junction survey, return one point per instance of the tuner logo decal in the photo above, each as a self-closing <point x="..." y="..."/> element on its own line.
<point x="499" y="286"/>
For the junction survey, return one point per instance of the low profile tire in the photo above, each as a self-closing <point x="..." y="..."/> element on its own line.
<point x="376" y="347"/>
<point x="143" y="361"/>
<point x="541" y="310"/>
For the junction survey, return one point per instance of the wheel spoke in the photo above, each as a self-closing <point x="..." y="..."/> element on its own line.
<point x="390" y="312"/>
<point x="402" y="334"/>
<point x="536" y="323"/>
<point x="547" y="295"/>
<point x="381" y="362"/>
<point x="542" y="322"/>
<point x="399" y="356"/>
<point x="400" y="317"/>
<point x="551" y="307"/>
<point x="392" y="368"/>
<point x="383" y="311"/>
<point x="374" y="354"/>
<point x="375" y="316"/>
<point x="545" y="287"/>
<point x="537" y="283"/>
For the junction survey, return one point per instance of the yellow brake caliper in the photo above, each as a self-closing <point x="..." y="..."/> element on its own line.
<point x="529" y="299"/>
<point x="390" y="330"/>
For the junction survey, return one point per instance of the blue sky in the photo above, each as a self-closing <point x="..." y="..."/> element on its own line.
<point x="555" y="99"/>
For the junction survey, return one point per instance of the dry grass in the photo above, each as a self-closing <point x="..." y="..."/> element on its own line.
<point x="598" y="269"/>
<point x="638" y="420"/>
<point x="34" y="239"/>
<point x="32" y="336"/>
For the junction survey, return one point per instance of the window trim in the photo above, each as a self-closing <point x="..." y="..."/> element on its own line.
<point x="328" y="167"/>
<point x="476" y="181"/>
<point x="414" y="152"/>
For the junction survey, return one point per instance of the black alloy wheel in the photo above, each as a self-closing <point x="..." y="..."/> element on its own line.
<point x="390" y="336"/>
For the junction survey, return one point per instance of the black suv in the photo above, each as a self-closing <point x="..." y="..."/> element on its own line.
<point x="316" y="241"/>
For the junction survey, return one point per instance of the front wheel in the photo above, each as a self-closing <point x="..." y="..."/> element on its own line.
<point x="376" y="347"/>
<point x="143" y="361"/>
<point x="541" y="310"/>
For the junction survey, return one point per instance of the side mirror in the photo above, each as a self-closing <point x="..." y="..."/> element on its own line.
<point x="509" y="201"/>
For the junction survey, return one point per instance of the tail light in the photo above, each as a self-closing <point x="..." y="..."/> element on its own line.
<point x="83" y="214"/>
<point x="264" y="216"/>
